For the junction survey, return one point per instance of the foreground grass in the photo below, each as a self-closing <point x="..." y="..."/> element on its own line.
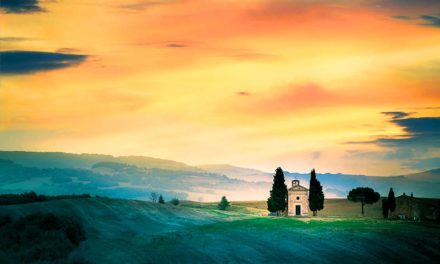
<point x="127" y="231"/>
<point x="274" y="240"/>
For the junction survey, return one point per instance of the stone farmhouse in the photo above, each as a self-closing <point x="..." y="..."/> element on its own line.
<point x="412" y="208"/>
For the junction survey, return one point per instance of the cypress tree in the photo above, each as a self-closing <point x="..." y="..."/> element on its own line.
<point x="391" y="201"/>
<point x="269" y="205"/>
<point x="161" y="200"/>
<point x="224" y="203"/>
<point x="277" y="201"/>
<point x="316" y="195"/>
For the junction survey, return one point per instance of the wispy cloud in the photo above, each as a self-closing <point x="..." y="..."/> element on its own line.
<point x="20" y="6"/>
<point x="13" y="39"/>
<point x="143" y="4"/>
<point x="252" y="56"/>
<point x="402" y="17"/>
<point x="68" y="50"/>
<point x="176" y="45"/>
<point x="431" y="20"/>
<point x="316" y="155"/>
<point x="26" y="62"/>
<point x="417" y="148"/>
<point x="422" y="20"/>
<point x="295" y="97"/>
<point x="396" y="115"/>
<point x="421" y="132"/>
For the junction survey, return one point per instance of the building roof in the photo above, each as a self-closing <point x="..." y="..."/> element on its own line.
<point x="298" y="188"/>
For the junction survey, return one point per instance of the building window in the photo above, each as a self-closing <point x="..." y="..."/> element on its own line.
<point x="297" y="197"/>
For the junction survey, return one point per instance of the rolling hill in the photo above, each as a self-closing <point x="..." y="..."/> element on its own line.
<point x="144" y="232"/>
<point x="337" y="185"/>
<point x="136" y="177"/>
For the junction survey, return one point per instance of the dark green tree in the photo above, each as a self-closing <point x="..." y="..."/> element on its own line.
<point x="277" y="201"/>
<point x="391" y="201"/>
<point x="153" y="197"/>
<point x="316" y="196"/>
<point x="385" y="207"/>
<point x="364" y="195"/>
<point x="175" y="201"/>
<point x="269" y="205"/>
<point x="161" y="200"/>
<point x="224" y="204"/>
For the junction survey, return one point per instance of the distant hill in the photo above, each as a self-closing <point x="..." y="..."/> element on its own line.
<point x="121" y="180"/>
<point x="86" y="161"/>
<point x="234" y="172"/>
<point x="428" y="176"/>
<point x="337" y="185"/>
<point x="136" y="177"/>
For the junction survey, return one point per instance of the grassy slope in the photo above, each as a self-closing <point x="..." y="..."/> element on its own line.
<point x="332" y="208"/>
<point x="141" y="232"/>
<point x="117" y="229"/>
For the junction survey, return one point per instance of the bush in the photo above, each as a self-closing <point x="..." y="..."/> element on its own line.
<point x="39" y="237"/>
<point x="175" y="201"/>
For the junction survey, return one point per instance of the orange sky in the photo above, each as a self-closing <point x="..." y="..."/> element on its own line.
<point x="261" y="84"/>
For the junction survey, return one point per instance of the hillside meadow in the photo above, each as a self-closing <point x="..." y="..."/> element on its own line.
<point x="144" y="232"/>
<point x="333" y="208"/>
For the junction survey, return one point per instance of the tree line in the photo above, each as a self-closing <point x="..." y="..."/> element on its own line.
<point x="158" y="198"/>
<point x="32" y="197"/>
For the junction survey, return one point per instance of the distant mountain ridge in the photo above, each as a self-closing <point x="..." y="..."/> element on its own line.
<point x="86" y="161"/>
<point x="136" y="177"/>
<point x="245" y="174"/>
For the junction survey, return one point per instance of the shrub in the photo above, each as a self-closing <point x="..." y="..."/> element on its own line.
<point x="175" y="201"/>
<point x="39" y="237"/>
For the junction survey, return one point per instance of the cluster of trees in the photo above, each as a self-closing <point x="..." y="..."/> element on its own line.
<point x="366" y="195"/>
<point x="32" y="197"/>
<point x="42" y="238"/>
<point x="158" y="198"/>
<point x="277" y="201"/>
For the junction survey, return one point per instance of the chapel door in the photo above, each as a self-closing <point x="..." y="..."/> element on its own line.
<point x="297" y="209"/>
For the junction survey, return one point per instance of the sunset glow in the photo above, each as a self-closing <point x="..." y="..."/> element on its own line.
<point x="333" y="85"/>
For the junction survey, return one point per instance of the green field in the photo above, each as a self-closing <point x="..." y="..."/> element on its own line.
<point x="333" y="208"/>
<point x="126" y="231"/>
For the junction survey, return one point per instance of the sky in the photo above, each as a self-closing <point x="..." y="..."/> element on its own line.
<point x="340" y="86"/>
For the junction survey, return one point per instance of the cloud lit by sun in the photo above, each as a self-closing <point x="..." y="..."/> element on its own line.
<point x="343" y="86"/>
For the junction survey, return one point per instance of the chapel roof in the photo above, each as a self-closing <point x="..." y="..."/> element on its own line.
<point x="297" y="187"/>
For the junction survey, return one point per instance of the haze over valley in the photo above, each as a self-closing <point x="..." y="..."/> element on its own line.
<point x="135" y="177"/>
